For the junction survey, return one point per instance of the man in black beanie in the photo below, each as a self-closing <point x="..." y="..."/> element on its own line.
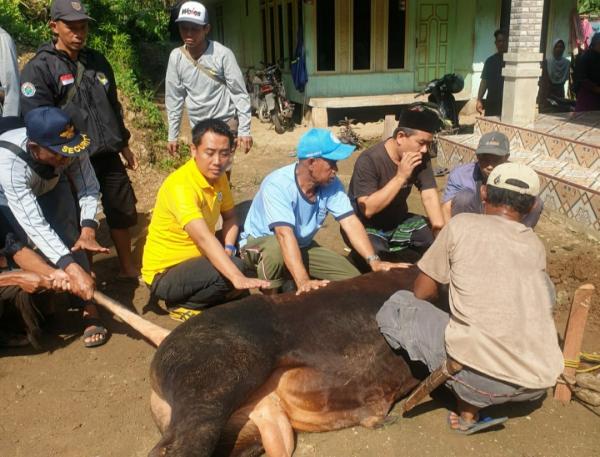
<point x="382" y="181"/>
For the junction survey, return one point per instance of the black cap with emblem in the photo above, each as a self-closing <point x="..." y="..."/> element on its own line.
<point x="68" y="10"/>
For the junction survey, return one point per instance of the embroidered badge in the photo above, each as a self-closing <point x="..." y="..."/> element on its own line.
<point x="76" y="6"/>
<point x="219" y="196"/>
<point x="67" y="79"/>
<point x="83" y="144"/>
<point x="68" y="132"/>
<point x="28" y="89"/>
<point x="102" y="78"/>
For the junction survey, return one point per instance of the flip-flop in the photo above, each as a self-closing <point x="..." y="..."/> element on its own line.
<point x="468" y="428"/>
<point x="94" y="327"/>
<point x="183" y="314"/>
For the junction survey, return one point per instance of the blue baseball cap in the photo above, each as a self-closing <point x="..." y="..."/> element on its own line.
<point x="322" y="143"/>
<point x="52" y="129"/>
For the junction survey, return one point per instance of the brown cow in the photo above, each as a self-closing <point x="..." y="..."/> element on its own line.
<point x="243" y="376"/>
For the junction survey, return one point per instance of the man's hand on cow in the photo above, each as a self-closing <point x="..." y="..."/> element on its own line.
<point x="380" y="265"/>
<point x="81" y="283"/>
<point x="310" y="284"/>
<point x="243" y="282"/>
<point x="130" y="158"/>
<point x="245" y="143"/>
<point x="60" y="281"/>
<point x="87" y="242"/>
<point x="173" y="148"/>
<point x="409" y="161"/>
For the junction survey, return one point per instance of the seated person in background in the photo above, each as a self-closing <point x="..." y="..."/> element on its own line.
<point x="39" y="166"/>
<point x="463" y="195"/>
<point x="500" y="326"/>
<point x="288" y="210"/>
<point x="382" y="181"/>
<point x="183" y="262"/>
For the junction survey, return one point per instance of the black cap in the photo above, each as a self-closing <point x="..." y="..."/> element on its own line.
<point x="421" y="116"/>
<point x="68" y="10"/>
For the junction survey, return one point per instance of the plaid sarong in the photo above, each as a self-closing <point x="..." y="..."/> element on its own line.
<point x="399" y="238"/>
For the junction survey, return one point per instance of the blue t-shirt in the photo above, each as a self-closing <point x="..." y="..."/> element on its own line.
<point x="280" y="202"/>
<point x="463" y="177"/>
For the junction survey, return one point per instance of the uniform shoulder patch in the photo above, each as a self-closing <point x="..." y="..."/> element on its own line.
<point x="28" y="89"/>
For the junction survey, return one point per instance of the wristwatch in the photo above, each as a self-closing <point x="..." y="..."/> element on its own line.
<point x="372" y="258"/>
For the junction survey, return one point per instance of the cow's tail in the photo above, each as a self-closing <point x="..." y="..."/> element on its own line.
<point x="154" y="333"/>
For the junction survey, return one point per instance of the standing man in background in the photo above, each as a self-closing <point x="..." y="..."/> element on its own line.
<point x="66" y="74"/>
<point x="9" y="76"/>
<point x="205" y="75"/>
<point x="492" y="80"/>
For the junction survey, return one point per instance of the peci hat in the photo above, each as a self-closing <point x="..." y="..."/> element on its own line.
<point x="68" y="10"/>
<point x="495" y="143"/>
<point x="515" y="177"/>
<point x="51" y="128"/>
<point x="194" y="12"/>
<point x="421" y="116"/>
<point x="322" y="143"/>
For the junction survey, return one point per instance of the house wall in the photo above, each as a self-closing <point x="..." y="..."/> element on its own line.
<point x="471" y="37"/>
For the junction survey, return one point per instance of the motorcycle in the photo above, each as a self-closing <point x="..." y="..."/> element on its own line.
<point x="441" y="92"/>
<point x="268" y="98"/>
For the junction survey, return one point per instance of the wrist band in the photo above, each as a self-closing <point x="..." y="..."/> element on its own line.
<point x="231" y="248"/>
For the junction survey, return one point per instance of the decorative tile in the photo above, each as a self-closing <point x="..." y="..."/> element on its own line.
<point x="548" y="166"/>
<point x="524" y="157"/>
<point x="568" y="195"/>
<point x="595" y="204"/>
<point x="591" y="137"/>
<point x="578" y="175"/>
<point x="568" y="155"/>
<point x="555" y="146"/>
<point x="529" y="139"/>
<point x="551" y="199"/>
<point x="587" y="156"/>
<point x="583" y="211"/>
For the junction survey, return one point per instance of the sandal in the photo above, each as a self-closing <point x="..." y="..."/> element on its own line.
<point x="468" y="428"/>
<point x="183" y="314"/>
<point x="94" y="327"/>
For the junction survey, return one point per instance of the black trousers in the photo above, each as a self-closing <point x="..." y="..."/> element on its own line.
<point x="195" y="284"/>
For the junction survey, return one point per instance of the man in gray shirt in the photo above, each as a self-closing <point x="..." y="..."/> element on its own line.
<point x="9" y="76"/>
<point x="205" y="75"/>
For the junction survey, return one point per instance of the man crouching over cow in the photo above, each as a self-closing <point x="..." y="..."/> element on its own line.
<point x="500" y="326"/>
<point x="288" y="210"/>
<point x="184" y="263"/>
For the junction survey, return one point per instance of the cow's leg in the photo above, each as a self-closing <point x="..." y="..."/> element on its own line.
<point x="274" y="426"/>
<point x="161" y="411"/>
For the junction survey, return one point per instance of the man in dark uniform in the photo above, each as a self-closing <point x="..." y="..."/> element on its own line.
<point x="66" y="74"/>
<point x="492" y="80"/>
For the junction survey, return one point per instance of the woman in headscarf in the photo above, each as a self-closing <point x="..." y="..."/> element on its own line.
<point x="587" y="78"/>
<point x="555" y="73"/>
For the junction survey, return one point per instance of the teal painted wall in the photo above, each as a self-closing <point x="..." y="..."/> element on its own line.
<point x="472" y="43"/>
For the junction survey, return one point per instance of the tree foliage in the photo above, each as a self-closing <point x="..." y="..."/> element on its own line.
<point x="589" y="7"/>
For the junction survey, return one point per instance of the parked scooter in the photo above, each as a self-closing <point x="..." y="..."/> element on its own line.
<point x="441" y="92"/>
<point x="268" y="98"/>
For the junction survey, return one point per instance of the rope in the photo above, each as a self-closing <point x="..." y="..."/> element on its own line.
<point x="587" y="357"/>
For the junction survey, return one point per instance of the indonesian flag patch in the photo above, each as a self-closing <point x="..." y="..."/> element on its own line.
<point x="67" y="79"/>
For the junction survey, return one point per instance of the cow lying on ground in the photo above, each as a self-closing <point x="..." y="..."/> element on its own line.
<point x="243" y="376"/>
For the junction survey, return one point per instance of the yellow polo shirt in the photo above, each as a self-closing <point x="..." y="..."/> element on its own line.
<point x="184" y="196"/>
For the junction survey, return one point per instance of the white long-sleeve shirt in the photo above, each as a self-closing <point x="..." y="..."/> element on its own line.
<point x="21" y="185"/>
<point x="9" y="75"/>
<point x="204" y="97"/>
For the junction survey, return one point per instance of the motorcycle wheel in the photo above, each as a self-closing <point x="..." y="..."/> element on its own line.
<point x="279" y="126"/>
<point x="263" y="112"/>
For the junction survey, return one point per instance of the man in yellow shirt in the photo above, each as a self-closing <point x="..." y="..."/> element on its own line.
<point x="184" y="263"/>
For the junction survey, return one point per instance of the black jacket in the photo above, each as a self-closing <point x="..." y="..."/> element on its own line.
<point x="95" y="108"/>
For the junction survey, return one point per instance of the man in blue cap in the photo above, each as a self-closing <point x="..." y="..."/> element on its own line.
<point x="36" y="164"/>
<point x="288" y="210"/>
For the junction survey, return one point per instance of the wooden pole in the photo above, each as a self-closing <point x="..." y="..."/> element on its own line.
<point x="574" y="336"/>
<point x="428" y="385"/>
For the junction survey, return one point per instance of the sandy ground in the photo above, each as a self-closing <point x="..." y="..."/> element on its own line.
<point x="74" y="402"/>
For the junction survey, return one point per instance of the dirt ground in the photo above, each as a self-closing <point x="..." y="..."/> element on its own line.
<point x="74" y="402"/>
